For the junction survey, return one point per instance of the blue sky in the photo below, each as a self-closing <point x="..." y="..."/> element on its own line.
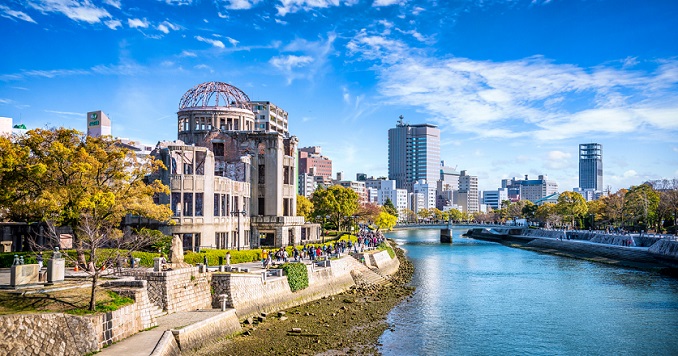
<point x="515" y="86"/>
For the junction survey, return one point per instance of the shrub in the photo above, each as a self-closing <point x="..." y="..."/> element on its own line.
<point x="213" y="256"/>
<point x="297" y="275"/>
<point x="385" y="246"/>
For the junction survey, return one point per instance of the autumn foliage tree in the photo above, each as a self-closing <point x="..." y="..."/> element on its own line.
<point x="63" y="178"/>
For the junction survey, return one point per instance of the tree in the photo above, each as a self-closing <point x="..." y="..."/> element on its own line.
<point x="596" y="209"/>
<point x="335" y="203"/>
<point x="641" y="204"/>
<point x="89" y="184"/>
<point x="304" y="206"/>
<point x="424" y="213"/>
<point x="385" y="220"/>
<point x="528" y="209"/>
<point x="571" y="205"/>
<point x="410" y="216"/>
<point x="369" y="212"/>
<point x="455" y="215"/>
<point x="547" y="214"/>
<point x="390" y="208"/>
<point x="613" y="212"/>
<point x="436" y="213"/>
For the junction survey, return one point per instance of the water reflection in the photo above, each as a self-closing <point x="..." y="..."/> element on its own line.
<point x="482" y="298"/>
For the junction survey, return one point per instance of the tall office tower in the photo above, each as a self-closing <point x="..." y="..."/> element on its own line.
<point x="413" y="154"/>
<point x="98" y="124"/>
<point x="591" y="166"/>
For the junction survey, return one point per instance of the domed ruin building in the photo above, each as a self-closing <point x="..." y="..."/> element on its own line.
<point x="232" y="172"/>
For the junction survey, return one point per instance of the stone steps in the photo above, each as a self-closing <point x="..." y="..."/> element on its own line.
<point x="364" y="276"/>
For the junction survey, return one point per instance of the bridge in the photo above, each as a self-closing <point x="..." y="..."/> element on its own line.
<point x="445" y="225"/>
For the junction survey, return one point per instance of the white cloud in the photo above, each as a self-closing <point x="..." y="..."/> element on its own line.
<point x="531" y="97"/>
<point x="74" y="9"/>
<point x="166" y="26"/>
<point x="239" y="4"/>
<point x="114" y="3"/>
<point x="215" y="43"/>
<point x="113" y="24"/>
<point x="66" y="113"/>
<point x="303" y="58"/>
<point x="204" y="67"/>
<point x="187" y="54"/>
<point x="14" y="14"/>
<point x="292" y="6"/>
<point x="558" y="159"/>
<point x="232" y="41"/>
<point x="178" y="2"/>
<point x="377" y="3"/>
<point x="137" y="23"/>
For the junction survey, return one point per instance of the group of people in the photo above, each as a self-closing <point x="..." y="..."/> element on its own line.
<point x="366" y="239"/>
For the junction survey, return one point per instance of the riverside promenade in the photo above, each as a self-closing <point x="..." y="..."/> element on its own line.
<point x="183" y="309"/>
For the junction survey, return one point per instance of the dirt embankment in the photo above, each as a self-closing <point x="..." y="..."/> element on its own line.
<point x="347" y="323"/>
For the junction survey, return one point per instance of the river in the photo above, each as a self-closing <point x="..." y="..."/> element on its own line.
<point x="482" y="298"/>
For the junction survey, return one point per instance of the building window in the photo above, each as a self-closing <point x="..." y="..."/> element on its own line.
<point x="175" y="203"/>
<point x="227" y="209"/>
<point x="216" y="205"/>
<point x="198" y="204"/>
<point x="262" y="174"/>
<point x="260" y="207"/>
<point x="218" y="149"/>
<point x="188" y="168"/>
<point x="188" y="204"/>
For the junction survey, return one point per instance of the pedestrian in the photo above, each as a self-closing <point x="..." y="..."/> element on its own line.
<point x="39" y="259"/>
<point x="228" y="258"/>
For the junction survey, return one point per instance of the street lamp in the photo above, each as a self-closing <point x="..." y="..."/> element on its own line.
<point x="237" y="213"/>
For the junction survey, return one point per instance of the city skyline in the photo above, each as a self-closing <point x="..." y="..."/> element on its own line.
<point x="515" y="87"/>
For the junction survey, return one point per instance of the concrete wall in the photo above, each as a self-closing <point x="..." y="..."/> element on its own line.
<point x="197" y="335"/>
<point x="178" y="290"/>
<point x="251" y="295"/>
<point x="665" y="249"/>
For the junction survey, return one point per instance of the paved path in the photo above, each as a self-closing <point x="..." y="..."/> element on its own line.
<point x="144" y="342"/>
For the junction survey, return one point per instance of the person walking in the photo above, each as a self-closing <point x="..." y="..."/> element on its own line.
<point x="228" y="258"/>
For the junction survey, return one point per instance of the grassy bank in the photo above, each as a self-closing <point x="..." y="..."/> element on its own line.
<point x="348" y="323"/>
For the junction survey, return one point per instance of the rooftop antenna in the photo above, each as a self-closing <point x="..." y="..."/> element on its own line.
<point x="400" y="121"/>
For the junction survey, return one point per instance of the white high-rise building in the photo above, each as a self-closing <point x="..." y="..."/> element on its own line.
<point x="428" y="191"/>
<point x="387" y="190"/>
<point x="413" y="154"/>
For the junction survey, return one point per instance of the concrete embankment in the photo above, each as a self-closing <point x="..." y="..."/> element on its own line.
<point x="647" y="252"/>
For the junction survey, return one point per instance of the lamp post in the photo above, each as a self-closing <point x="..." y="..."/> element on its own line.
<point x="237" y="213"/>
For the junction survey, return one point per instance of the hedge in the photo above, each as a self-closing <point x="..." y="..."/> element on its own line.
<point x="297" y="275"/>
<point x="213" y="256"/>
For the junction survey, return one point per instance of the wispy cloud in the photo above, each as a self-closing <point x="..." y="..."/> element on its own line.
<point x="302" y="58"/>
<point x="178" y="2"/>
<point x="232" y="41"/>
<point x="66" y="113"/>
<point x="114" y="3"/>
<point x="75" y="10"/>
<point x="378" y="3"/>
<point x="113" y="24"/>
<point x="528" y="97"/>
<point x="237" y="4"/>
<point x="6" y="12"/>
<point x="215" y="43"/>
<point x="166" y="26"/>
<point x="188" y="54"/>
<point x="137" y="23"/>
<point x="292" y="6"/>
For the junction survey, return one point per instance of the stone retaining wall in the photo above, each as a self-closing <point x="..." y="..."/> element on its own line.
<point x="167" y="346"/>
<point x="197" y="335"/>
<point x="178" y="290"/>
<point x="65" y="334"/>
<point x="609" y="251"/>
<point x="39" y="334"/>
<point x="665" y="249"/>
<point x="251" y="295"/>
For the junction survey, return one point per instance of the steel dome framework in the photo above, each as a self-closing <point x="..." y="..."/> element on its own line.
<point x="212" y="94"/>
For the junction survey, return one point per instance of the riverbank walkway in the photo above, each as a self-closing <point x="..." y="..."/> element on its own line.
<point x="144" y="342"/>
